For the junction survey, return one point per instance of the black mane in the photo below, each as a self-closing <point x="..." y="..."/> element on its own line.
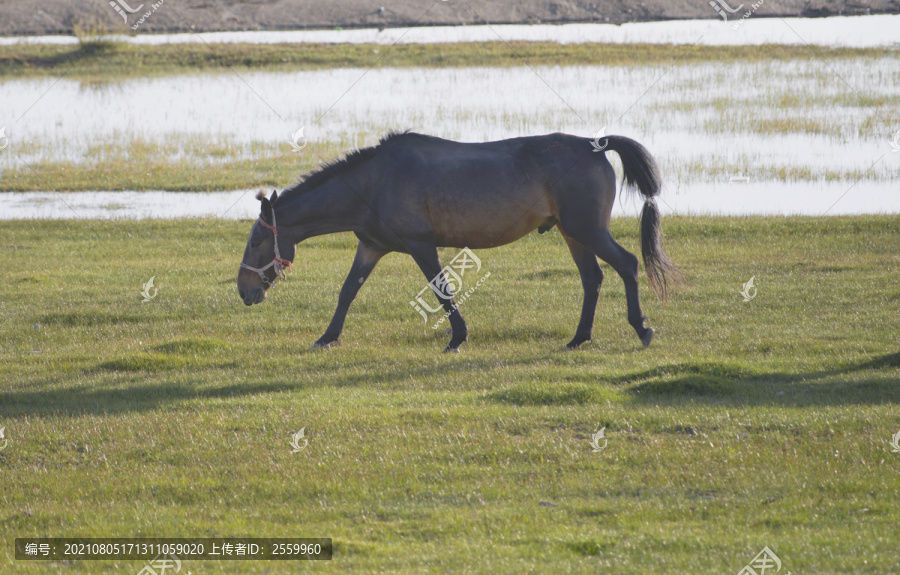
<point x="329" y="169"/>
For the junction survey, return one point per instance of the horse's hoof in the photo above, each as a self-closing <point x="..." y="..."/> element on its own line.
<point x="648" y="337"/>
<point x="576" y="342"/>
<point x="326" y="344"/>
<point x="453" y="346"/>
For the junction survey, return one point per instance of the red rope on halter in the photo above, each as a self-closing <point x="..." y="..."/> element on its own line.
<point x="279" y="263"/>
<point x="285" y="264"/>
<point x="265" y="225"/>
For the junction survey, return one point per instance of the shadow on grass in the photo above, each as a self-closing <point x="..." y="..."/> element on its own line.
<point x="714" y="383"/>
<point x="720" y="384"/>
<point x="139" y="397"/>
<point x="690" y="383"/>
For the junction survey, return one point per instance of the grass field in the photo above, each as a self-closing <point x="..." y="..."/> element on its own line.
<point x="98" y="60"/>
<point x="744" y="425"/>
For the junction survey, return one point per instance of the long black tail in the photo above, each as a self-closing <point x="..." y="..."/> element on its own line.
<point x="642" y="173"/>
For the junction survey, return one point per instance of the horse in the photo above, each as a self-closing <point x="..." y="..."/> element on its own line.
<point x="412" y="193"/>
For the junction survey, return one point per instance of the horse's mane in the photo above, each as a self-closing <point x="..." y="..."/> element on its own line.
<point x="333" y="167"/>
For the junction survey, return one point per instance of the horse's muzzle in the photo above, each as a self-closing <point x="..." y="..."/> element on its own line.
<point x="252" y="295"/>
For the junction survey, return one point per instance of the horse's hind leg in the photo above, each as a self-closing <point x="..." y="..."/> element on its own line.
<point x="591" y="278"/>
<point x="626" y="265"/>
<point x="363" y="264"/>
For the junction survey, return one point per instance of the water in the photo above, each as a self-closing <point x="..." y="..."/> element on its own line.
<point x="803" y="132"/>
<point x="700" y="114"/>
<point x="729" y="198"/>
<point x="238" y="204"/>
<point x="796" y="121"/>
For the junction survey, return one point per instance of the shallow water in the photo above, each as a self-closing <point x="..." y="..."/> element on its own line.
<point x="849" y="31"/>
<point x="727" y="198"/>
<point x="790" y="121"/>
<point x="128" y="205"/>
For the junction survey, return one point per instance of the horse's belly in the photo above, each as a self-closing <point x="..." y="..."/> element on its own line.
<point x="484" y="203"/>
<point x="489" y="227"/>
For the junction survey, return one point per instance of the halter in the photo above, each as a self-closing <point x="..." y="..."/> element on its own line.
<point x="280" y="264"/>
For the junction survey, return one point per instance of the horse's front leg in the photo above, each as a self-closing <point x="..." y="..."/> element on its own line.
<point x="363" y="264"/>
<point x="426" y="257"/>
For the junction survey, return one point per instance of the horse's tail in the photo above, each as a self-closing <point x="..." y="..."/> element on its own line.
<point x="642" y="173"/>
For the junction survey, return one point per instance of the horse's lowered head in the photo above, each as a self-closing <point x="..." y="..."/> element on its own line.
<point x="266" y="256"/>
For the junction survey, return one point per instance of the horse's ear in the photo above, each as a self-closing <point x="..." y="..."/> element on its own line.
<point x="265" y="208"/>
<point x="274" y="196"/>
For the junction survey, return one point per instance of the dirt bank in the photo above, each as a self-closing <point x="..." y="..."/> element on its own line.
<point x="18" y="17"/>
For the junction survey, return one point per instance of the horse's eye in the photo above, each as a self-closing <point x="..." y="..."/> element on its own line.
<point x="254" y="245"/>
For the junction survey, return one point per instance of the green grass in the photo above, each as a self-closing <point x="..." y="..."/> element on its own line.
<point x="100" y="60"/>
<point x="273" y="169"/>
<point x="743" y="425"/>
<point x="181" y="163"/>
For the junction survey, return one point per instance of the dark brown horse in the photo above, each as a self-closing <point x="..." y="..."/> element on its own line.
<point x="413" y="193"/>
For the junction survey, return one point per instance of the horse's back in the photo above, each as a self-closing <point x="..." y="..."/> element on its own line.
<point x="491" y="193"/>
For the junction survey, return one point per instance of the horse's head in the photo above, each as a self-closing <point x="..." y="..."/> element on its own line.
<point x="266" y="256"/>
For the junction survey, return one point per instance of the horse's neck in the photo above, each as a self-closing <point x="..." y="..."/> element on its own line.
<point x="328" y="209"/>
